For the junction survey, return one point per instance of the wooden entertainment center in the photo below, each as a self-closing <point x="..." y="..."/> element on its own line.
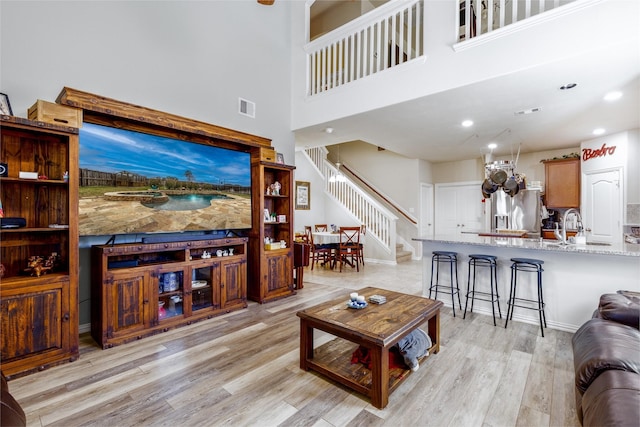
<point x="138" y="289"/>
<point x="142" y="289"/>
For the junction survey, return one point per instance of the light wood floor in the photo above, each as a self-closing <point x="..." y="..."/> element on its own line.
<point x="243" y="369"/>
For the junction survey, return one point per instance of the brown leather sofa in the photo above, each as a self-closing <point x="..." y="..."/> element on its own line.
<point x="11" y="414"/>
<point x="606" y="357"/>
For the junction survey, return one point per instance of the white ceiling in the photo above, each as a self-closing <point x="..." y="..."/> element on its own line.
<point x="429" y="128"/>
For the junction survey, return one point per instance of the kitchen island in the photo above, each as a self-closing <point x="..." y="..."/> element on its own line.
<point x="574" y="276"/>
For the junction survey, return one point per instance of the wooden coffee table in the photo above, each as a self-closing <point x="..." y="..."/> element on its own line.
<point x="376" y="327"/>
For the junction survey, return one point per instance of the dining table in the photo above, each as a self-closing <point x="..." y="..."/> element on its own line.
<point x="326" y="237"/>
<point x="330" y="237"/>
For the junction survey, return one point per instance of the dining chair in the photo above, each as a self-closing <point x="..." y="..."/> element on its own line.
<point x="321" y="227"/>
<point x="363" y="232"/>
<point x="322" y="252"/>
<point x="349" y="247"/>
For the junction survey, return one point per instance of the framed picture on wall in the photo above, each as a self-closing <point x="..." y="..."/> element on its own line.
<point x="303" y="195"/>
<point x="5" y="106"/>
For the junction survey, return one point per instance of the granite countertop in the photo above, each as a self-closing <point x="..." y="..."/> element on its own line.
<point x="623" y="249"/>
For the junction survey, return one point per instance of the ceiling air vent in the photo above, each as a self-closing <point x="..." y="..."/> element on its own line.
<point x="529" y="111"/>
<point x="246" y="108"/>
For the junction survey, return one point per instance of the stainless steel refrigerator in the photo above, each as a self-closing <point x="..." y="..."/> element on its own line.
<point x="520" y="212"/>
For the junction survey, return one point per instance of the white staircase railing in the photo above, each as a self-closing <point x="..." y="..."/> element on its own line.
<point x="389" y="35"/>
<point x="379" y="221"/>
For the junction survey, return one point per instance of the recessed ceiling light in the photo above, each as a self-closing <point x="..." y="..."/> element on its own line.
<point x="328" y="130"/>
<point x="599" y="131"/>
<point x="492" y="145"/>
<point x="613" y="96"/>
<point x="467" y="123"/>
<point x="568" y="86"/>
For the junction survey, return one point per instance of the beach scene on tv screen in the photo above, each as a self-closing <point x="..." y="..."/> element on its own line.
<point x="132" y="182"/>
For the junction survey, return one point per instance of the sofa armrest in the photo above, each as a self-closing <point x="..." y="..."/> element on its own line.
<point x="613" y="399"/>
<point x="600" y="345"/>
<point x="621" y="307"/>
<point x="11" y="413"/>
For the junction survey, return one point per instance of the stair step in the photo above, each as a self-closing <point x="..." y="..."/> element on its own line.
<point x="403" y="256"/>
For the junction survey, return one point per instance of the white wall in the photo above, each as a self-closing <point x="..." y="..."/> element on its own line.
<point x="318" y="202"/>
<point x="193" y="59"/>
<point x="395" y="176"/>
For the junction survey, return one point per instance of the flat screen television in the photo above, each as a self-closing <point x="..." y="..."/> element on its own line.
<point x="132" y="182"/>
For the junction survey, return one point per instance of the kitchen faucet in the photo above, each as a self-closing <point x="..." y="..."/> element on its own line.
<point x="562" y="235"/>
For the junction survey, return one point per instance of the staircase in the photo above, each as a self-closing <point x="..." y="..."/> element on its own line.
<point x="379" y="221"/>
<point x="401" y="254"/>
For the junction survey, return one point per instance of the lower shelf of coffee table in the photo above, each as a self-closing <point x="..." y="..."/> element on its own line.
<point x="334" y="360"/>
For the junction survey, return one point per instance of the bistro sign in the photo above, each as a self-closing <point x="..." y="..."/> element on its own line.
<point x="590" y="153"/>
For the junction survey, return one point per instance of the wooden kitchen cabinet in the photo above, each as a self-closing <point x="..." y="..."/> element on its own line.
<point x="271" y="269"/>
<point x="562" y="183"/>
<point x="141" y="289"/>
<point x="38" y="306"/>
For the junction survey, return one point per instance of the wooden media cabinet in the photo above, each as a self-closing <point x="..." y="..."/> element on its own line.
<point x="142" y="289"/>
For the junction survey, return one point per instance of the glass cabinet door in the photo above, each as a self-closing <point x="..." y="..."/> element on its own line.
<point x="170" y="294"/>
<point x="203" y="284"/>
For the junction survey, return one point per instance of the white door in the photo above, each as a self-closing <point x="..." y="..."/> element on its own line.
<point x="446" y="211"/>
<point x="602" y="213"/>
<point x="458" y="208"/>
<point x="426" y="210"/>
<point x="470" y="208"/>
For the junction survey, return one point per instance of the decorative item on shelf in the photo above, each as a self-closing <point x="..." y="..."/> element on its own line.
<point x="50" y="112"/>
<point x="37" y="265"/>
<point x="5" y="105"/>
<point x="27" y="175"/>
<point x="280" y="158"/>
<point x="170" y="282"/>
<point x="267" y="215"/>
<point x="65" y="177"/>
<point x="4" y="169"/>
<point x="563" y="157"/>
<point x="282" y="218"/>
<point x="206" y="255"/>
<point x="219" y="252"/>
<point x="230" y="251"/>
<point x="162" y="313"/>
<point x="273" y="217"/>
<point x="275" y="188"/>
<point x="195" y="284"/>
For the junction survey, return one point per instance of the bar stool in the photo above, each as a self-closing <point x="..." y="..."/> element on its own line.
<point x="450" y="258"/>
<point x="528" y="265"/>
<point x="479" y="260"/>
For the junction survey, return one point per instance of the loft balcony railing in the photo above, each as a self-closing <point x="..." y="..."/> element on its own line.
<point x="394" y="34"/>
<point x="388" y="36"/>
<point x="485" y="16"/>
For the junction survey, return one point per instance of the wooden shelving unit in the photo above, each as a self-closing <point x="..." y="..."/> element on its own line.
<point x="271" y="270"/>
<point x="38" y="314"/>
